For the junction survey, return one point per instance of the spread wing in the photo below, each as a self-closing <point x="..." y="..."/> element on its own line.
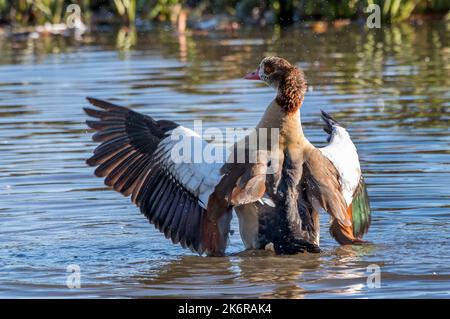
<point x="136" y="158"/>
<point x="342" y="153"/>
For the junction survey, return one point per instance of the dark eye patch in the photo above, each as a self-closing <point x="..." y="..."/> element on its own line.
<point x="268" y="69"/>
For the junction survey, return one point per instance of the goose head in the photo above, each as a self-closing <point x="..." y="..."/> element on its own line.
<point x="287" y="79"/>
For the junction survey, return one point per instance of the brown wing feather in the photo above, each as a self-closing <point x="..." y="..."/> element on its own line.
<point x="343" y="233"/>
<point x="243" y="181"/>
<point x="359" y="213"/>
<point x="250" y="186"/>
<point x="321" y="181"/>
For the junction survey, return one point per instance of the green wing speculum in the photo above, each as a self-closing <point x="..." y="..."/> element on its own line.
<point x="361" y="213"/>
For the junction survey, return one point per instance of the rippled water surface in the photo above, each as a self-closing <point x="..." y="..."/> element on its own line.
<point x="390" y="87"/>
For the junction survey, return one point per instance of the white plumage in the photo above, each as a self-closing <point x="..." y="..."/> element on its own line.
<point x="190" y="170"/>
<point x="342" y="153"/>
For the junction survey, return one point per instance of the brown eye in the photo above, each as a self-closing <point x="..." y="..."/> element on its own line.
<point x="268" y="69"/>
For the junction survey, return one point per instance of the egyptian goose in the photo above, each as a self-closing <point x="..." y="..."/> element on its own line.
<point x="276" y="196"/>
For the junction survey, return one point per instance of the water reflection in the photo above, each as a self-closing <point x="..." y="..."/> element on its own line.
<point x="257" y="274"/>
<point x="228" y="277"/>
<point x="126" y="38"/>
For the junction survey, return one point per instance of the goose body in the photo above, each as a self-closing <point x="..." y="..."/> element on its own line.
<point x="277" y="196"/>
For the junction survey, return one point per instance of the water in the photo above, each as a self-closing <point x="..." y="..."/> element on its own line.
<point x="389" y="86"/>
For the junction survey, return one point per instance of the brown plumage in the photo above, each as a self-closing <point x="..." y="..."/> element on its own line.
<point x="306" y="180"/>
<point x="289" y="81"/>
<point x="291" y="90"/>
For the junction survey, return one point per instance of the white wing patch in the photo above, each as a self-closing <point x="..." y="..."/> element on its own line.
<point x="342" y="153"/>
<point x="266" y="200"/>
<point x="181" y="152"/>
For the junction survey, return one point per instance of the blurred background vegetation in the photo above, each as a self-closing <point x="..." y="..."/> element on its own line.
<point x="184" y="12"/>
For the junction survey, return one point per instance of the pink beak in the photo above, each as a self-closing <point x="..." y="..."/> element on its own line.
<point x="253" y="75"/>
